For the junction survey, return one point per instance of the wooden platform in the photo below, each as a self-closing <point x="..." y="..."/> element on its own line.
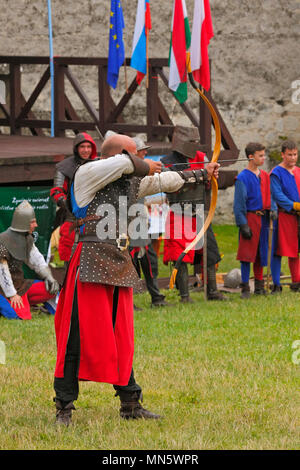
<point x="33" y="159"/>
<point x="27" y="159"/>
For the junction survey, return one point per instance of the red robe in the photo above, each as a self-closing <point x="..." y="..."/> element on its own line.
<point x="181" y="230"/>
<point x="66" y="241"/>
<point x="106" y="352"/>
<point x="287" y="241"/>
<point x="35" y="295"/>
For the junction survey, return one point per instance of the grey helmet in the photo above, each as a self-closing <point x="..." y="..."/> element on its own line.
<point x="22" y="217"/>
<point x="233" y="278"/>
<point x="140" y="144"/>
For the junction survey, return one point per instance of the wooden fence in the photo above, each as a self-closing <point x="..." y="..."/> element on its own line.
<point x="105" y="114"/>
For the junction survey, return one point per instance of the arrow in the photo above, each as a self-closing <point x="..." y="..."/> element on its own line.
<point x="200" y="163"/>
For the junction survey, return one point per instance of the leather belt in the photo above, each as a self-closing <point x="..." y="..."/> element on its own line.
<point x="261" y="213"/>
<point x="79" y="222"/>
<point x="292" y="212"/>
<point x="94" y="239"/>
<point x="121" y="243"/>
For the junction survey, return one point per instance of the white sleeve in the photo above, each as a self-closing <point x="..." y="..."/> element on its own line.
<point x="93" y="176"/>
<point x="36" y="260"/>
<point x="167" y="181"/>
<point x="6" y="281"/>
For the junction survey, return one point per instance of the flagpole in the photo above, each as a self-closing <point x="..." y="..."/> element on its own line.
<point x="125" y="74"/>
<point x="51" y="65"/>
<point x="147" y="57"/>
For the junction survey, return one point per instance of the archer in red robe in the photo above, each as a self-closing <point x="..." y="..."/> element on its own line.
<point x="94" y="316"/>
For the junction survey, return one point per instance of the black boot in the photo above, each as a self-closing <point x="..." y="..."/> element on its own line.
<point x="276" y="289"/>
<point x="295" y="286"/>
<point x="64" y="412"/>
<point x="215" y="295"/>
<point x="186" y="299"/>
<point x="245" y="294"/>
<point x="259" y="287"/>
<point x="131" y="407"/>
<point x="212" y="290"/>
<point x="160" y="303"/>
<point x="182" y="283"/>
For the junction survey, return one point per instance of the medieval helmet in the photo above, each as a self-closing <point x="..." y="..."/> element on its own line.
<point x="22" y="217"/>
<point x="140" y="144"/>
<point x="186" y="140"/>
<point x="233" y="278"/>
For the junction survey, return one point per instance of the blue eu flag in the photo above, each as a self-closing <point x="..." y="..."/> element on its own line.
<point x="116" y="53"/>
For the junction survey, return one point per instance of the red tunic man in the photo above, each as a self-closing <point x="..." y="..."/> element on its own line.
<point x="94" y="316"/>
<point x="252" y="205"/>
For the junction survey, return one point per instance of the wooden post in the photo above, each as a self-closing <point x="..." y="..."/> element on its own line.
<point x="105" y="100"/>
<point x="15" y="97"/>
<point x="204" y="259"/>
<point x="152" y="103"/>
<point x="59" y="98"/>
<point x="270" y="239"/>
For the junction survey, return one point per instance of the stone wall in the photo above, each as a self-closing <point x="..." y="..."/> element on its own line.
<point x="255" y="57"/>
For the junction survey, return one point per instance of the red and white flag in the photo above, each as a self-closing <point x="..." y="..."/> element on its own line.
<point x="202" y="32"/>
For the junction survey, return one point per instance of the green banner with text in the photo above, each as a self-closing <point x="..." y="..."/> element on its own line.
<point x="39" y="198"/>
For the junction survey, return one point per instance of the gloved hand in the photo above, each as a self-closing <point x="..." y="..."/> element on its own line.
<point x="296" y="206"/>
<point x="62" y="202"/>
<point x="246" y="231"/>
<point x="51" y="284"/>
<point x="274" y="215"/>
<point x="196" y="175"/>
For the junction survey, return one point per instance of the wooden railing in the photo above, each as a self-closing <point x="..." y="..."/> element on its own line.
<point x="106" y="114"/>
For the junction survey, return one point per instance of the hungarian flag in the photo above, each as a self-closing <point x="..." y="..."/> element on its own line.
<point x="202" y="32"/>
<point x="139" y="55"/>
<point x="180" y="43"/>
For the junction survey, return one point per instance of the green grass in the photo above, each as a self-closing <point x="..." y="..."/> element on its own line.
<point x="221" y="374"/>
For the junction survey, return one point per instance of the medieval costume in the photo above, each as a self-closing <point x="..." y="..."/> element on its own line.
<point x="64" y="175"/>
<point x="142" y="252"/>
<point x="285" y="188"/>
<point x="17" y="247"/>
<point x="252" y="203"/>
<point x="187" y="157"/>
<point x="145" y="259"/>
<point x="94" y="317"/>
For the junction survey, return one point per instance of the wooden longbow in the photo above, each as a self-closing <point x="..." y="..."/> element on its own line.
<point x="214" y="184"/>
